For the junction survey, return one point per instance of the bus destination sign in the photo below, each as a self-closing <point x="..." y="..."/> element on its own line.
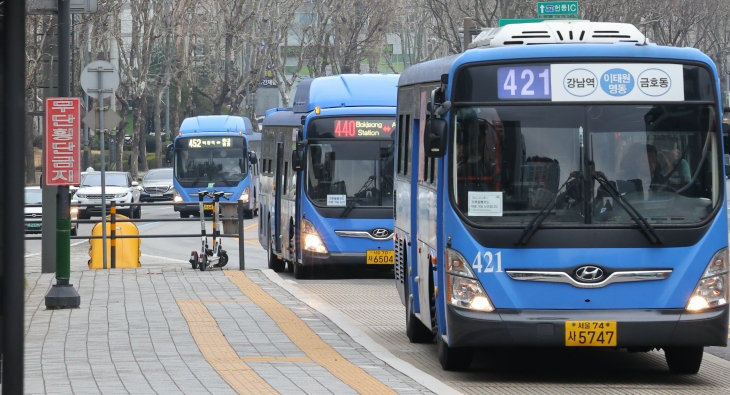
<point x="352" y="127"/>
<point x="206" y="142"/>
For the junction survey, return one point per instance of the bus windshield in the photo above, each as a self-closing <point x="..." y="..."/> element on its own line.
<point x="512" y="161"/>
<point x="220" y="161"/>
<point x="339" y="173"/>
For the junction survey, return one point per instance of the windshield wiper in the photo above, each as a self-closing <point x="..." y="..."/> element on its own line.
<point x="358" y="195"/>
<point x="537" y="220"/>
<point x="645" y="226"/>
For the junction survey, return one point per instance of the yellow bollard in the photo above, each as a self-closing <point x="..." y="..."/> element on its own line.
<point x="127" y="251"/>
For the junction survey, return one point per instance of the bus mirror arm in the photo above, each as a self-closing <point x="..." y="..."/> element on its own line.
<point x="252" y="158"/>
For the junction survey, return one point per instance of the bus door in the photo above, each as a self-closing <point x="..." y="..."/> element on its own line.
<point x="278" y="185"/>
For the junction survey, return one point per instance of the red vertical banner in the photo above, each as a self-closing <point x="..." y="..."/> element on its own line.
<point x="62" y="151"/>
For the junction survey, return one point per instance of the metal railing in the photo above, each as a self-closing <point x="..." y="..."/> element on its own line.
<point x="113" y="220"/>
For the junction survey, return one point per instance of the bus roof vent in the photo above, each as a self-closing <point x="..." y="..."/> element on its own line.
<point x="558" y="32"/>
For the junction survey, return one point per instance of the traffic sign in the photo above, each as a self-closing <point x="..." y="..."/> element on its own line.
<point x="111" y="119"/>
<point x="505" y="22"/>
<point x="62" y="153"/>
<point x="90" y="80"/>
<point x="552" y="8"/>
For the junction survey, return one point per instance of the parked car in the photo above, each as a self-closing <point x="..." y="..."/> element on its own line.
<point x="119" y="188"/>
<point x="157" y="185"/>
<point x="33" y="215"/>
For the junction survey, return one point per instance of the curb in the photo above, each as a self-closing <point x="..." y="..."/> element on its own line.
<point x="347" y="325"/>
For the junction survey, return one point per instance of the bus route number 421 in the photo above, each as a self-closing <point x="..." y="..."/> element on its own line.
<point x="487" y="265"/>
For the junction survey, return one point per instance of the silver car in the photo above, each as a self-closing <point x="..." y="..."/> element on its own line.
<point x="33" y="215"/>
<point x="157" y="185"/>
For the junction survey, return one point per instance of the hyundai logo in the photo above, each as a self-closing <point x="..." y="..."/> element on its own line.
<point x="589" y="274"/>
<point x="380" y="233"/>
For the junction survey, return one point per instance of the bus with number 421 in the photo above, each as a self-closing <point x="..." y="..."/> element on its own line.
<point x="567" y="194"/>
<point x="327" y="176"/>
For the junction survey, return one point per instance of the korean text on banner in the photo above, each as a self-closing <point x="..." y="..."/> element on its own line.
<point x="62" y="150"/>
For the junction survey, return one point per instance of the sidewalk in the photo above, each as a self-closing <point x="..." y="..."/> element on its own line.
<point x="177" y="330"/>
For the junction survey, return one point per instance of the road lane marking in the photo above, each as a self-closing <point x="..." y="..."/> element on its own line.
<point x="247" y="241"/>
<point x="250" y="226"/>
<point x="307" y="341"/>
<point x="219" y="353"/>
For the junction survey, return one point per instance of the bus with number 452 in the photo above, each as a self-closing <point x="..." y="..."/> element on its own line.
<point x="567" y="194"/>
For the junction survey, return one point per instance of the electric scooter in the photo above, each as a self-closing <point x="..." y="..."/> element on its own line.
<point x="216" y="256"/>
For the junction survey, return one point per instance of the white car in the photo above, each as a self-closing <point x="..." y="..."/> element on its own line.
<point x="119" y="188"/>
<point x="34" y="215"/>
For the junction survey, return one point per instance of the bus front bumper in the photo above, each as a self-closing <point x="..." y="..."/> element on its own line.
<point x="334" y="258"/>
<point x="636" y="328"/>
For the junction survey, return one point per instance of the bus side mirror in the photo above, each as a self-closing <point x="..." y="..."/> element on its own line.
<point x="725" y="128"/>
<point x="297" y="159"/>
<point x="252" y="158"/>
<point x="168" y="153"/>
<point x="435" y="137"/>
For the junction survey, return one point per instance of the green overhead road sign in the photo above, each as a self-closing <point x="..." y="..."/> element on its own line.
<point x="552" y="8"/>
<point x="504" y="22"/>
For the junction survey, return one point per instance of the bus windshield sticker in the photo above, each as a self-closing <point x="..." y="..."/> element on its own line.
<point x="617" y="82"/>
<point x="337" y="200"/>
<point x="485" y="204"/>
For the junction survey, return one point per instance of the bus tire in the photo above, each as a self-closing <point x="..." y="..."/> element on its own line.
<point x="247" y="214"/>
<point x="415" y="330"/>
<point x="453" y="359"/>
<point x="275" y="263"/>
<point x="184" y="214"/>
<point x="684" y="360"/>
<point x="302" y="272"/>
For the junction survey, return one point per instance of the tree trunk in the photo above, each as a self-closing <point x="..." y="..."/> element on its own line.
<point x="136" y="137"/>
<point x="29" y="153"/>
<point x="158" y="129"/>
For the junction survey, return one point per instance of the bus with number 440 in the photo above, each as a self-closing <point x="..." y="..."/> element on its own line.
<point x="327" y="176"/>
<point x="567" y="194"/>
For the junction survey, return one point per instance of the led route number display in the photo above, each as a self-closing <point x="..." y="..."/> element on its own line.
<point x="207" y="142"/>
<point x="362" y="128"/>
<point x="346" y="128"/>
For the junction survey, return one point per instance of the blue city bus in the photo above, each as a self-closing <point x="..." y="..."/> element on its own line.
<point x="211" y="152"/>
<point x="568" y="194"/>
<point x="327" y="175"/>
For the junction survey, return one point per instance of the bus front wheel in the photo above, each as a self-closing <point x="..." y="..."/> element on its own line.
<point x="275" y="263"/>
<point x="453" y="358"/>
<point x="302" y="272"/>
<point x="684" y="360"/>
<point x="415" y="330"/>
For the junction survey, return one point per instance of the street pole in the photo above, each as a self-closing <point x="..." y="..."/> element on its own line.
<point x="63" y="294"/>
<point x="12" y="160"/>
<point x="103" y="167"/>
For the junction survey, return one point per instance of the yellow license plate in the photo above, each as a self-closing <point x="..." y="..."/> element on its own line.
<point x="208" y="207"/>
<point x="379" y="257"/>
<point x="591" y="333"/>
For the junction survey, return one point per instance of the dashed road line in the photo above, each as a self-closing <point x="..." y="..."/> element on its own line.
<point x="219" y="353"/>
<point x="304" y="337"/>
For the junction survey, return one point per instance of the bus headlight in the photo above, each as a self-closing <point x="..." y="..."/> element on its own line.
<point x="711" y="291"/>
<point x="462" y="287"/>
<point x="311" y="239"/>
<point x="176" y="196"/>
<point x="245" y="196"/>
